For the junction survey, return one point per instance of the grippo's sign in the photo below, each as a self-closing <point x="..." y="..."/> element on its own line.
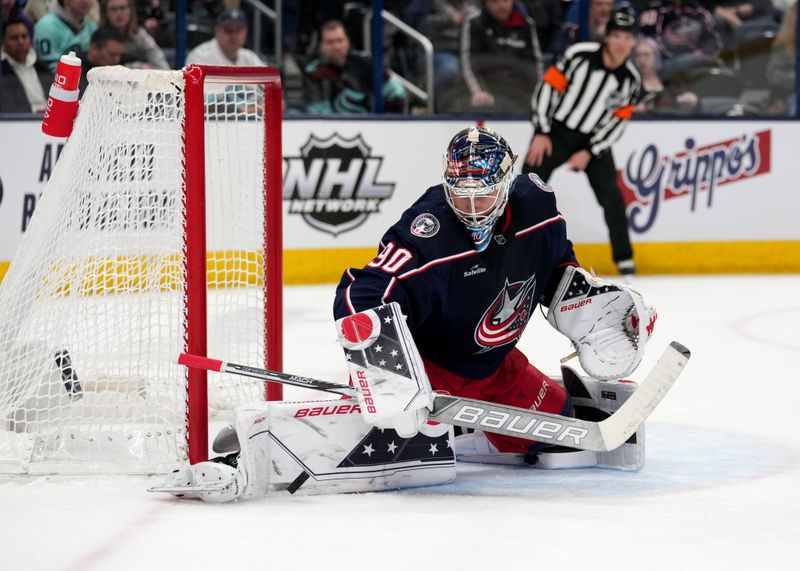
<point x="651" y="178"/>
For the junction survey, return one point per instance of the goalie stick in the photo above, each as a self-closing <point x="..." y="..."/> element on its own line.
<point x="601" y="436"/>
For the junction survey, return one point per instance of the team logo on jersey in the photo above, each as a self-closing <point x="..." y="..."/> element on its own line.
<point x="506" y="318"/>
<point x="333" y="184"/>
<point x="425" y="226"/>
<point x="535" y="179"/>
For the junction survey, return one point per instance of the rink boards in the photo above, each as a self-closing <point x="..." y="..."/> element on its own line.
<point x="702" y="196"/>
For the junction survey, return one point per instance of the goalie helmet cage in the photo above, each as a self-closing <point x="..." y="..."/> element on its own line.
<point x="160" y="232"/>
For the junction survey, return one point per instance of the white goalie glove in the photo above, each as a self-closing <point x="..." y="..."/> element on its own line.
<point x="608" y="323"/>
<point x="386" y="369"/>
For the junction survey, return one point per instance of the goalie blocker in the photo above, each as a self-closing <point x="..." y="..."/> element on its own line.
<point x="386" y="369"/>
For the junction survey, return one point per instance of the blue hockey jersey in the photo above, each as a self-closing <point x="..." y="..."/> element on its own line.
<point x="466" y="309"/>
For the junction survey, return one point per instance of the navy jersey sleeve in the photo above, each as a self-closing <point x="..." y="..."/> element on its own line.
<point x="377" y="283"/>
<point x="395" y="274"/>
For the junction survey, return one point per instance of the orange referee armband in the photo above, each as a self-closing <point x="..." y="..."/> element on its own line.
<point x="555" y="78"/>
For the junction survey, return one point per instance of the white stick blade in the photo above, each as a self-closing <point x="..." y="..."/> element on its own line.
<point x="618" y="427"/>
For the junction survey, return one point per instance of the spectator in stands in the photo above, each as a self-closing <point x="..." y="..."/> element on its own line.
<point x="24" y="80"/>
<point x="782" y="68"/>
<point x="105" y="48"/>
<point x="500" y="58"/>
<point x="35" y="9"/>
<point x="340" y="79"/>
<point x="141" y="50"/>
<point x="656" y="98"/>
<point x="312" y="14"/>
<point x="599" y="13"/>
<point x="573" y="8"/>
<point x="6" y="8"/>
<point x="227" y="47"/>
<point x="151" y="15"/>
<point x="739" y="20"/>
<point x="12" y="10"/>
<point x="548" y="17"/>
<point x="66" y="28"/>
<point x="442" y="25"/>
<point x="681" y="28"/>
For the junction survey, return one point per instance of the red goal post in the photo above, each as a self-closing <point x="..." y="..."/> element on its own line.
<point x="159" y="232"/>
<point x="197" y="77"/>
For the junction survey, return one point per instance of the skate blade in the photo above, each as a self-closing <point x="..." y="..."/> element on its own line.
<point x="211" y="487"/>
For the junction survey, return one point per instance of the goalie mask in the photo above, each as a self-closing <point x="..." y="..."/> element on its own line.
<point x="478" y="168"/>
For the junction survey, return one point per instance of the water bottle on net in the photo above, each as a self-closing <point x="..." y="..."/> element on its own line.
<point x="62" y="102"/>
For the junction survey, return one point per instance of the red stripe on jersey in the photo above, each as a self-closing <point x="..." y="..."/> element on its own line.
<point x="432" y="263"/>
<point x="388" y="291"/>
<point x="538" y="226"/>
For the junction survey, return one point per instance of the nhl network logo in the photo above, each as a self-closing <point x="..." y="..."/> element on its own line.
<point x="333" y="184"/>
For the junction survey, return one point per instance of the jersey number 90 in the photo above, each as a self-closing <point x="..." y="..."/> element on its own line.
<point x="391" y="259"/>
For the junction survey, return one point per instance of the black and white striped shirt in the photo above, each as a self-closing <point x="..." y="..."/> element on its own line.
<point x="583" y="95"/>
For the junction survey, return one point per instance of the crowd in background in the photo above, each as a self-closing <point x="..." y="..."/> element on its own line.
<point x="695" y="57"/>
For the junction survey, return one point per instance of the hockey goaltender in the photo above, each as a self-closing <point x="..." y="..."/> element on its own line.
<point x="429" y="329"/>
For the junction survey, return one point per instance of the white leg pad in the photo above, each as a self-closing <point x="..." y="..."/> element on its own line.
<point x="325" y="447"/>
<point x="475" y="447"/>
<point x="593" y="399"/>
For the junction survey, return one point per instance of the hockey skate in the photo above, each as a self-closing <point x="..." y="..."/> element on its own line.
<point x="475" y="447"/>
<point x="216" y="481"/>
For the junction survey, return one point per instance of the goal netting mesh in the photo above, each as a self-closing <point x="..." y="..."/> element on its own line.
<point x="92" y="310"/>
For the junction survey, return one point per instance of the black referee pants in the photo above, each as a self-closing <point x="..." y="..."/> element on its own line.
<point x="602" y="176"/>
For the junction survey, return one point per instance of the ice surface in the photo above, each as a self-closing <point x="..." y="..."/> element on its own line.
<point x="719" y="490"/>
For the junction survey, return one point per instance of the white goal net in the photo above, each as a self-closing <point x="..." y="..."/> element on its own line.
<point x="95" y="308"/>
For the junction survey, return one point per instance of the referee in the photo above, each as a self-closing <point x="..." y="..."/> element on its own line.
<point x="579" y="110"/>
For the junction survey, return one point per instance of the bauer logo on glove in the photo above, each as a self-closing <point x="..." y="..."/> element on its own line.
<point x="608" y="323"/>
